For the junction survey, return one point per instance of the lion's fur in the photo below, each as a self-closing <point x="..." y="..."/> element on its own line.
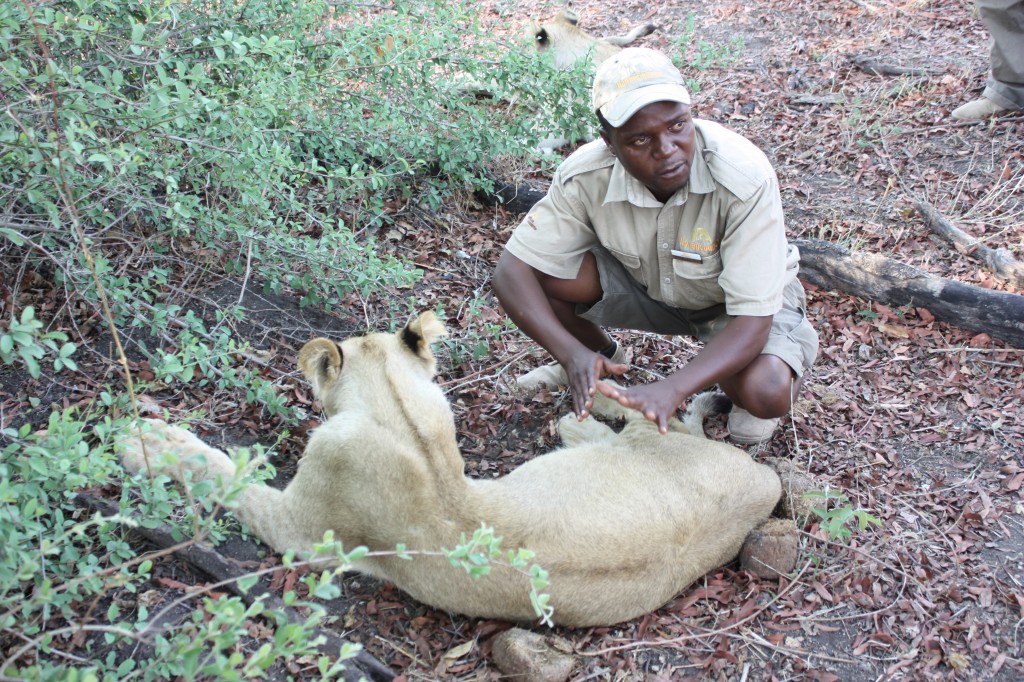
<point x="569" y="44"/>
<point x="622" y="522"/>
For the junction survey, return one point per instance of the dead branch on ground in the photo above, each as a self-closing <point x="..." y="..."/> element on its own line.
<point x="1000" y="261"/>
<point x="869" y="65"/>
<point x="893" y="283"/>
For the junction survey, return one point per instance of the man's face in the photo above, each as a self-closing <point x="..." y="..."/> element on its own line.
<point x="655" y="146"/>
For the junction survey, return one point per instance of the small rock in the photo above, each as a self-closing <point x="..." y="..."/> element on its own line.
<point x="526" y="656"/>
<point x="796" y="483"/>
<point x="770" y="550"/>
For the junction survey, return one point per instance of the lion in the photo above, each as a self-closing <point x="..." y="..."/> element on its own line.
<point x="569" y="44"/>
<point x="622" y="522"/>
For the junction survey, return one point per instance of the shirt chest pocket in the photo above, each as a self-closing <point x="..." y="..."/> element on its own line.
<point x="698" y="282"/>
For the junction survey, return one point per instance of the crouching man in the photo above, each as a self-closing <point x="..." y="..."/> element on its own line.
<point x="667" y="224"/>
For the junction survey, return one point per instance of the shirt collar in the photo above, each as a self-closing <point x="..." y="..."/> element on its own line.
<point x="624" y="187"/>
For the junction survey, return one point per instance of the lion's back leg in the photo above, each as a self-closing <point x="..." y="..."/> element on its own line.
<point x="700" y="407"/>
<point x="606" y="408"/>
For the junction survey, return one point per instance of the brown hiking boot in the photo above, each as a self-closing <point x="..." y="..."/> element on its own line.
<point x="977" y="110"/>
<point x="747" y="429"/>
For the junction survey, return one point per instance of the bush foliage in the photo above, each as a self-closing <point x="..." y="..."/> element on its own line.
<point x="261" y="139"/>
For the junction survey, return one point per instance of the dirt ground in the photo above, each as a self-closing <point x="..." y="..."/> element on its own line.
<point x="912" y="419"/>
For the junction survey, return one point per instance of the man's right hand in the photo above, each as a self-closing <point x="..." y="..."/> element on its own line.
<point x="583" y="369"/>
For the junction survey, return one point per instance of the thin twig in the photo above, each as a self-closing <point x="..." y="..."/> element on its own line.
<point x="708" y="633"/>
<point x="248" y="271"/>
<point x="960" y="124"/>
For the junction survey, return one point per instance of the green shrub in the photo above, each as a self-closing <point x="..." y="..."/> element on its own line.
<point x="836" y="514"/>
<point x="25" y="341"/>
<point x="270" y="136"/>
<point x="63" y="572"/>
<point x="268" y="141"/>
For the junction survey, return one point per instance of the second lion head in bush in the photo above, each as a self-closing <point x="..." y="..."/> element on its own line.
<point x="569" y="44"/>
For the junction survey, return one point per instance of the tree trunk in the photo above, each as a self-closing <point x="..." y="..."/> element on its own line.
<point x="877" y="278"/>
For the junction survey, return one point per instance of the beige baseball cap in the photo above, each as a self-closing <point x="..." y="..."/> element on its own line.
<point x="633" y="78"/>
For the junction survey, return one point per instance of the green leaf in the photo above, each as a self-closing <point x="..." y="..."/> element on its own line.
<point x="12" y="236"/>
<point x="246" y="583"/>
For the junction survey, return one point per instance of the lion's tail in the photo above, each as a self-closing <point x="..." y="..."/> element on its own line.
<point x="702" y="406"/>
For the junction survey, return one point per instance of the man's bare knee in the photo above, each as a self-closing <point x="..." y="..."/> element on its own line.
<point x="766" y="388"/>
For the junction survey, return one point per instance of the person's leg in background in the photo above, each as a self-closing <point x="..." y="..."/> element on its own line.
<point x="1005" y="88"/>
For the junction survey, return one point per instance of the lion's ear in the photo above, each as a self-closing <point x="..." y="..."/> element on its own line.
<point x="423" y="331"/>
<point x="320" y="361"/>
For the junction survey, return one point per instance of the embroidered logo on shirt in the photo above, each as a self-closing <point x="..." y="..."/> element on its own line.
<point x="701" y="242"/>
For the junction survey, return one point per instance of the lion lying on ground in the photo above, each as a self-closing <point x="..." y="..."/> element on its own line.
<point x="622" y="522"/>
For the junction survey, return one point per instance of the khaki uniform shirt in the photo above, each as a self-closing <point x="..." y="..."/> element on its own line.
<point x="720" y="239"/>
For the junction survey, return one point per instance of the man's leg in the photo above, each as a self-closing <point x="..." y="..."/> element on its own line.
<point x="565" y="294"/>
<point x="766" y="388"/>
<point x="1005" y="22"/>
<point x="1005" y="88"/>
<point x="761" y="393"/>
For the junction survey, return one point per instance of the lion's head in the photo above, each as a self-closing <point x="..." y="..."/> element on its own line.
<point x="357" y="368"/>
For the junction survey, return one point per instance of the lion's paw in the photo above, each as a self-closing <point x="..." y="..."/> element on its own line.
<point x="576" y="432"/>
<point x="167" y="449"/>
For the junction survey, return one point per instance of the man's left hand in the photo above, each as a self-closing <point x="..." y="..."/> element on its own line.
<point x="657" y="401"/>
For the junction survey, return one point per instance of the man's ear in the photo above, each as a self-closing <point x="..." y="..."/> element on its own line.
<point x="607" y="139"/>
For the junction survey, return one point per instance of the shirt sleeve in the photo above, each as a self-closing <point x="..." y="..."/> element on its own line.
<point x="757" y="262"/>
<point x="555" y="234"/>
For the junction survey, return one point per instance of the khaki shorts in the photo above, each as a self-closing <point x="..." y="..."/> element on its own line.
<point x="626" y="305"/>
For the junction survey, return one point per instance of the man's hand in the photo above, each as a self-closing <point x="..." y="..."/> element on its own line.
<point x="583" y="371"/>
<point x="657" y="401"/>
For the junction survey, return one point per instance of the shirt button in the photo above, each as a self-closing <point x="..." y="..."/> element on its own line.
<point x="664" y="246"/>
<point x="668" y="280"/>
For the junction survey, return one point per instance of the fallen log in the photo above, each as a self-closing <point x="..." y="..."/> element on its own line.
<point x="362" y="666"/>
<point x="516" y="197"/>
<point x="893" y="283"/>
